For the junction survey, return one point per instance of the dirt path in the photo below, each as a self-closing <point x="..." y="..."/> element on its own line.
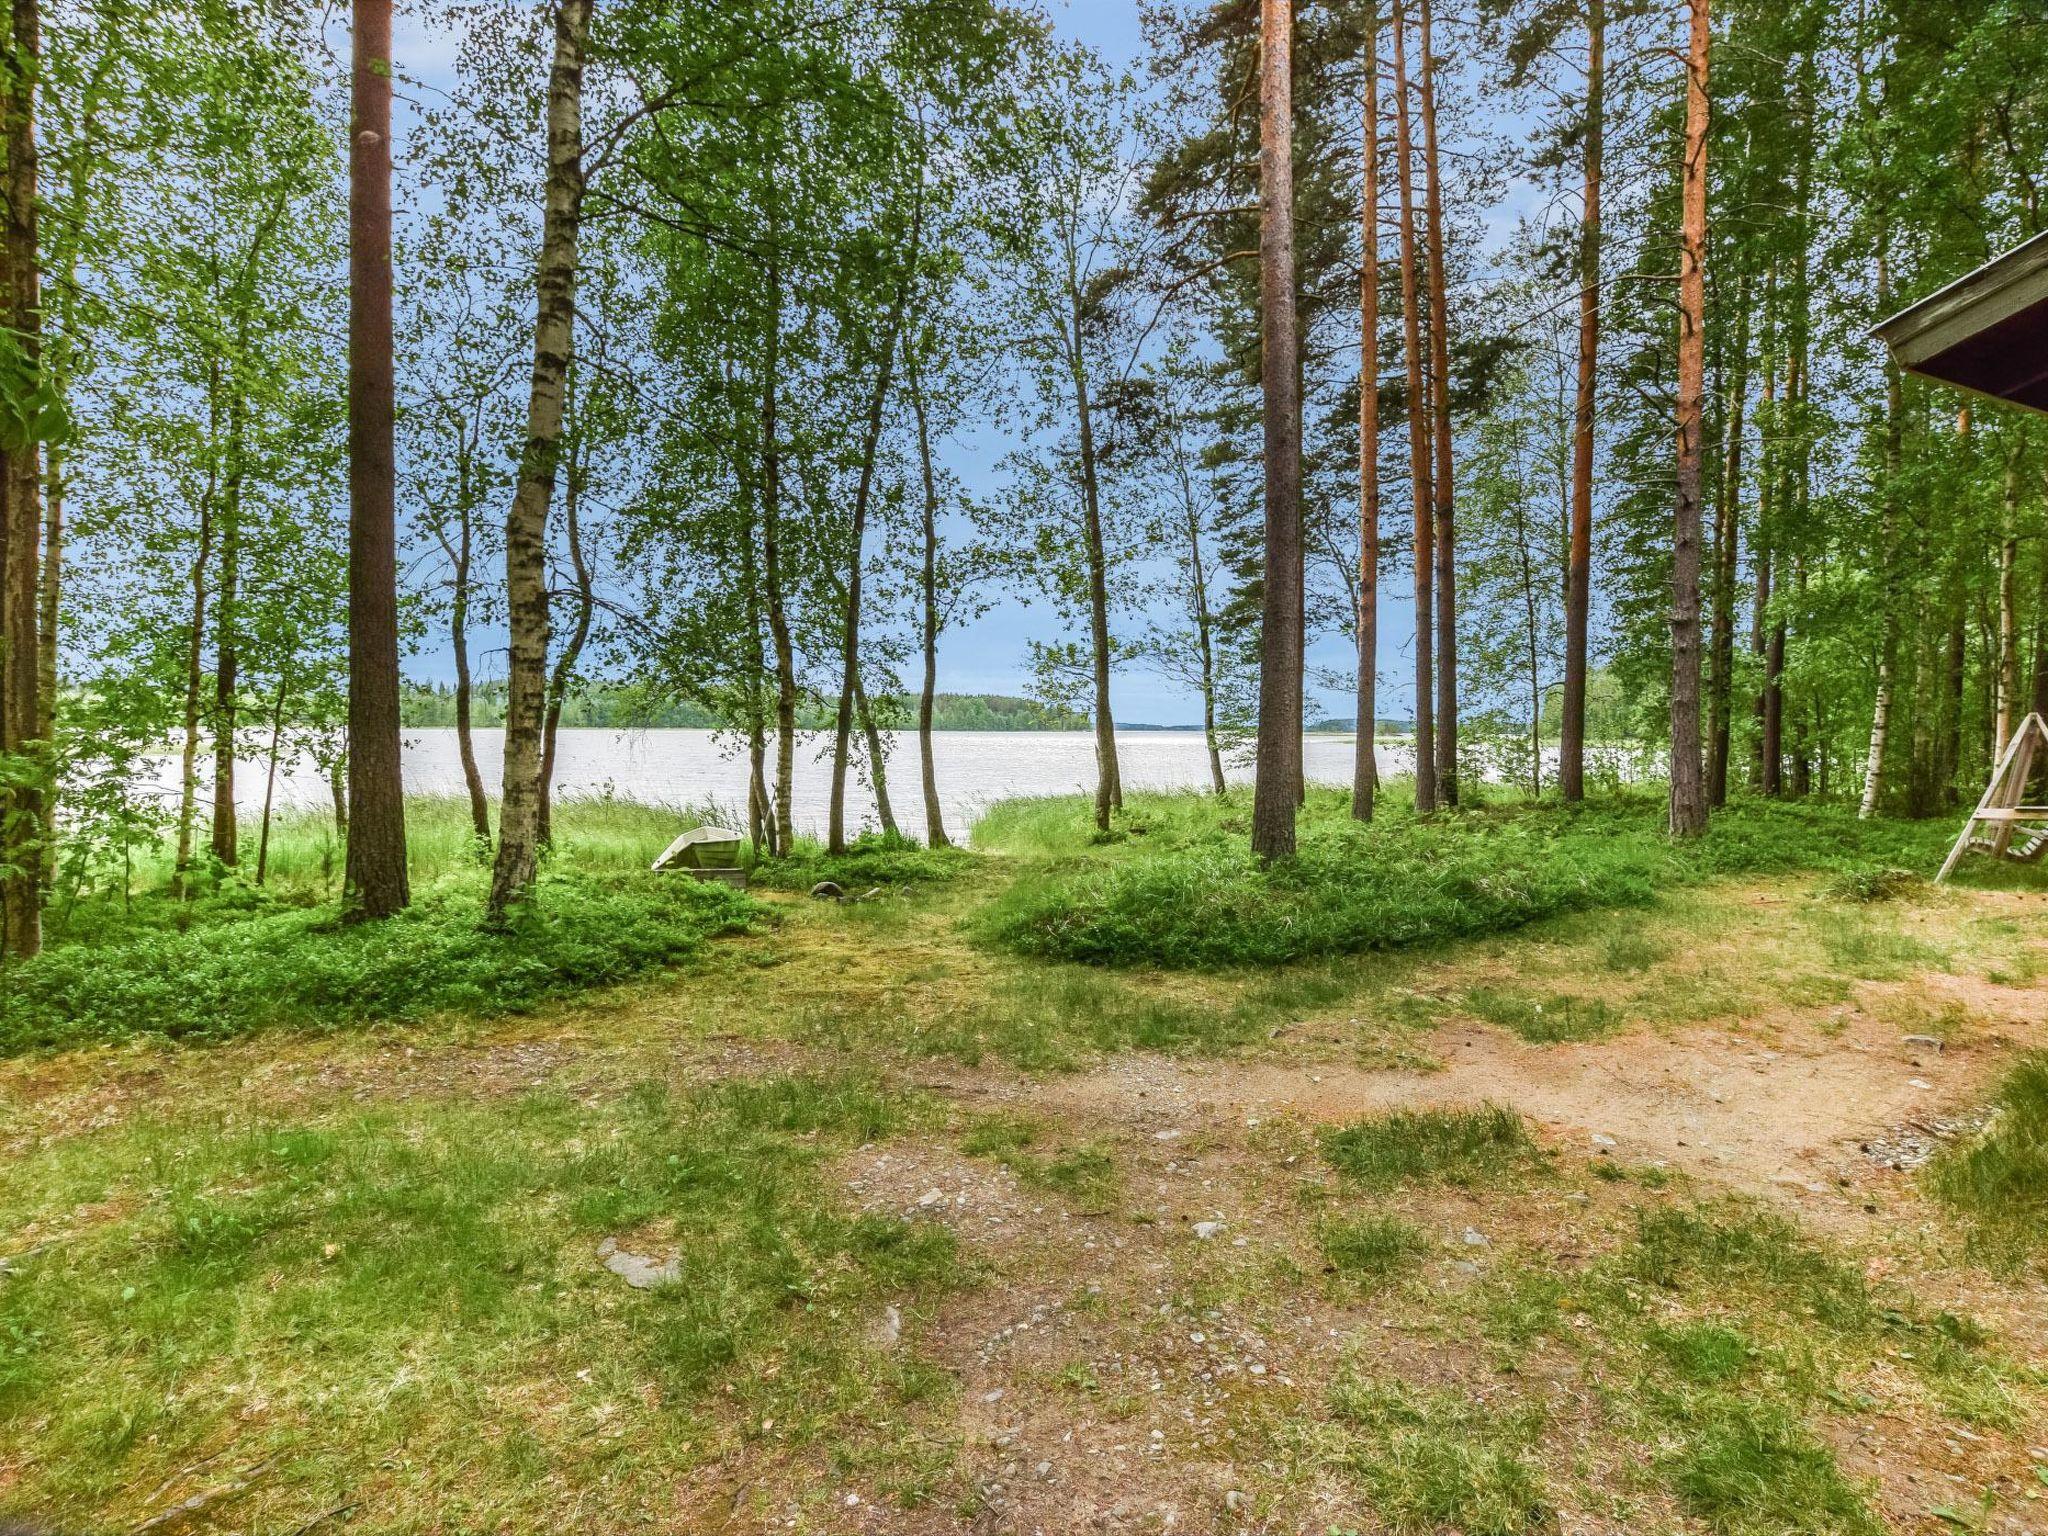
<point x="1719" y="1104"/>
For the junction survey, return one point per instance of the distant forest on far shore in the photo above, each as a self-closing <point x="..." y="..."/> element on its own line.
<point x="622" y="706"/>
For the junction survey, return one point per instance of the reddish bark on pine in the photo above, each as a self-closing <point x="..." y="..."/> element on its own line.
<point x="1274" y="795"/>
<point x="1688" y="788"/>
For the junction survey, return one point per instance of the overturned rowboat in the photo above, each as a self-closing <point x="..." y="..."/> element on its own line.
<point x="708" y="853"/>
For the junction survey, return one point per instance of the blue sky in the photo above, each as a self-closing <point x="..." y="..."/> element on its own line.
<point x="989" y="654"/>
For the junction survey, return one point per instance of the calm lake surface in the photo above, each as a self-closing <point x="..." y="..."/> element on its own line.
<point x="699" y="773"/>
<point x="696" y="769"/>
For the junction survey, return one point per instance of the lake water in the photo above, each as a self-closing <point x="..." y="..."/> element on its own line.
<point x="975" y="770"/>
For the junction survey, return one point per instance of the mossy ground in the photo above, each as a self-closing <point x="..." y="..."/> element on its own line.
<point x="967" y="1240"/>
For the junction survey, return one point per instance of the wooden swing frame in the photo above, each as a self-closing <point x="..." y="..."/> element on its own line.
<point x="2000" y="810"/>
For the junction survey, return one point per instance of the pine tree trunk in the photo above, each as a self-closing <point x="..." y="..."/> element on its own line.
<point x="1365" y="773"/>
<point x="517" y="865"/>
<point x="1443" y="485"/>
<point x="1418" y="439"/>
<point x="1280" y="650"/>
<point x="21" y="518"/>
<point x="374" y="882"/>
<point x="1688" y="789"/>
<point x="1578" y="573"/>
<point x="928" y="611"/>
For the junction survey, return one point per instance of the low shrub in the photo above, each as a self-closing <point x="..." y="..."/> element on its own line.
<point x="277" y="965"/>
<point x="1189" y="894"/>
<point x="875" y="859"/>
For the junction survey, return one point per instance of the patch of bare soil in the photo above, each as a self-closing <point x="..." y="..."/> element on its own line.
<point x="1779" y="1109"/>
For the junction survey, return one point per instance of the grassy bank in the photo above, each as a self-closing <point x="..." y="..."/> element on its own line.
<point x="1172" y="887"/>
<point x="1176" y="886"/>
<point x="593" y="834"/>
<point x="257" y="964"/>
<point x="232" y="958"/>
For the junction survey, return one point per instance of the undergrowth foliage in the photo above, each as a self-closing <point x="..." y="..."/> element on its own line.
<point x="250" y="963"/>
<point x="1182" y="891"/>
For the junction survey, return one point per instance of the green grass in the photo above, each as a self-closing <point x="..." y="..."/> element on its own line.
<point x="1705" y="1354"/>
<point x="1052" y="1018"/>
<point x="1728" y="1340"/>
<point x="870" y="861"/>
<point x="1372" y="1247"/>
<point x="1628" y="951"/>
<point x="1405" y="1146"/>
<point x="244" y="962"/>
<point x="1176" y="885"/>
<point x="1543" y="1021"/>
<point x="1749" y="1468"/>
<point x="406" y="1303"/>
<point x="1086" y="1175"/>
<point x="1869" y="886"/>
<point x="230" y="958"/>
<point x="1866" y="944"/>
<point x="1997" y="1181"/>
<point x="1436" y="1461"/>
<point x="592" y="833"/>
<point x="1674" y="1246"/>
